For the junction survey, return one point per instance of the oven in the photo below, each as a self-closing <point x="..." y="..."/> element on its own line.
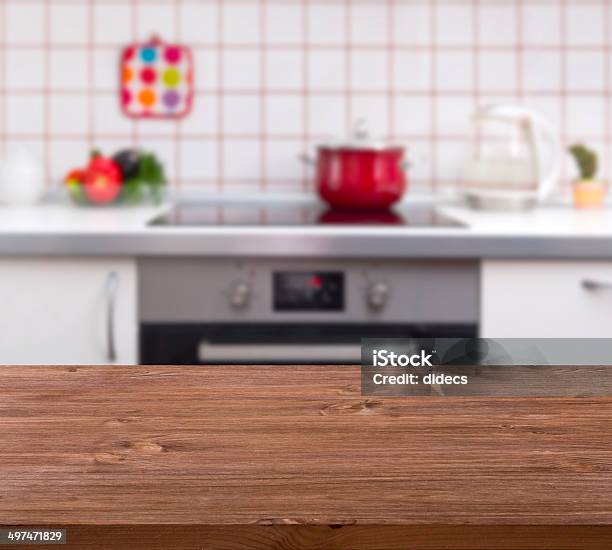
<point x="296" y="311"/>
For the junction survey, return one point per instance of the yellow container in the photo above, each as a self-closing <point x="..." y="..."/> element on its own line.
<point x="589" y="193"/>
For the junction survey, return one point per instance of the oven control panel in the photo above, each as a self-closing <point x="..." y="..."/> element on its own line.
<point x="270" y="290"/>
<point x="308" y="291"/>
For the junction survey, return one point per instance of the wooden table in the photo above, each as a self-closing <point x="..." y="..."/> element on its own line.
<point x="294" y="457"/>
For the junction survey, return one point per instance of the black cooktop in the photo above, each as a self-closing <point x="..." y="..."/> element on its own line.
<point x="298" y="214"/>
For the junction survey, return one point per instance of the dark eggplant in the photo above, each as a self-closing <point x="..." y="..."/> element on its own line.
<point x="129" y="163"/>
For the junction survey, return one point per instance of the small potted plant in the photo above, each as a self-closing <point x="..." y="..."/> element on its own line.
<point x="588" y="191"/>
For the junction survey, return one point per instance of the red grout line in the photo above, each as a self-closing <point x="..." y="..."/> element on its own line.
<point x="220" y="96"/>
<point x="3" y="110"/>
<point x="263" y="13"/>
<point x="563" y="89"/>
<point x="255" y="137"/>
<point x="90" y="74"/>
<point x="434" y="99"/>
<point x="47" y="90"/>
<point x="476" y="65"/>
<point x="476" y="52"/>
<point x="242" y="137"/>
<point x="348" y="62"/>
<point x="177" y="123"/>
<point x="596" y="3"/>
<point x="213" y="92"/>
<point x="292" y="183"/>
<point x="519" y="14"/>
<point x="607" y="13"/>
<point x="305" y="92"/>
<point x="134" y="20"/>
<point x="607" y="83"/>
<point x="334" y="47"/>
<point x="391" y="70"/>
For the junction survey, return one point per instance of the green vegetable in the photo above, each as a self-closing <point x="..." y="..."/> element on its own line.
<point x="586" y="160"/>
<point x="149" y="175"/>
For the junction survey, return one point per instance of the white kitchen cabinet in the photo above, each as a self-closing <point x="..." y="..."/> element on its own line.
<point x="546" y="299"/>
<point x="68" y="311"/>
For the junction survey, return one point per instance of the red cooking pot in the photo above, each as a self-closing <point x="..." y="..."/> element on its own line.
<point x="360" y="174"/>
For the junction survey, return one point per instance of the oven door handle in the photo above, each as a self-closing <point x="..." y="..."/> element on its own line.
<point x="209" y="352"/>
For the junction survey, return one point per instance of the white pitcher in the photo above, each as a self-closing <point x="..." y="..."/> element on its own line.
<point x="517" y="159"/>
<point x="21" y="178"/>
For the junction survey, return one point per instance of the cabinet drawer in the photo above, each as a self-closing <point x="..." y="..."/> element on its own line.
<point x="68" y="311"/>
<point x="552" y="299"/>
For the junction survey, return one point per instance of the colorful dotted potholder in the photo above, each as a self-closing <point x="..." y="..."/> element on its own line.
<point x="156" y="80"/>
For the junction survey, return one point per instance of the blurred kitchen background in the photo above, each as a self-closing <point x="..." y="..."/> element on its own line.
<point x="250" y="254"/>
<point x="274" y="77"/>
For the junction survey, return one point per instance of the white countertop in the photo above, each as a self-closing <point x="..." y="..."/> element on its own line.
<point x="67" y="229"/>
<point x="66" y="218"/>
<point x="551" y="220"/>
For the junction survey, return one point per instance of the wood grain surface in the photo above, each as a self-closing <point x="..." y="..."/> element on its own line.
<point x="293" y="451"/>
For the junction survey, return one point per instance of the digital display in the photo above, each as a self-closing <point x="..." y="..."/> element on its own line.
<point x="308" y="291"/>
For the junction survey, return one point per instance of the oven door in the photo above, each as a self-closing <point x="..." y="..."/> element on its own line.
<point x="271" y="343"/>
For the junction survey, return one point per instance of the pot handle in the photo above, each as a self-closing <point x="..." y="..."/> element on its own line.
<point x="307" y="159"/>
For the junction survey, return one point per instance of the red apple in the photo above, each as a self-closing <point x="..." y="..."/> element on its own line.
<point x="102" y="180"/>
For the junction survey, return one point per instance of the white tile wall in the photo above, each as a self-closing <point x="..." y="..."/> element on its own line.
<point x="412" y="70"/>
<point x="412" y="23"/>
<point x="24" y="114"/>
<point x="25" y="22"/>
<point x="68" y="69"/>
<point x="496" y="71"/>
<point x="585" y="24"/>
<point x="68" y="115"/>
<point x="541" y="71"/>
<point x="413" y="115"/>
<point x="285" y="70"/>
<point x="24" y="70"/>
<point x="242" y="115"/>
<point x="454" y="24"/>
<point x="198" y="21"/>
<point x="207" y="154"/>
<point x="112" y="23"/>
<point x="327" y="70"/>
<point x="541" y="23"/>
<point x="273" y="77"/>
<point x="326" y="23"/>
<point x="276" y="120"/>
<point x="68" y="24"/>
<point x="283" y="24"/>
<point x="497" y="25"/>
